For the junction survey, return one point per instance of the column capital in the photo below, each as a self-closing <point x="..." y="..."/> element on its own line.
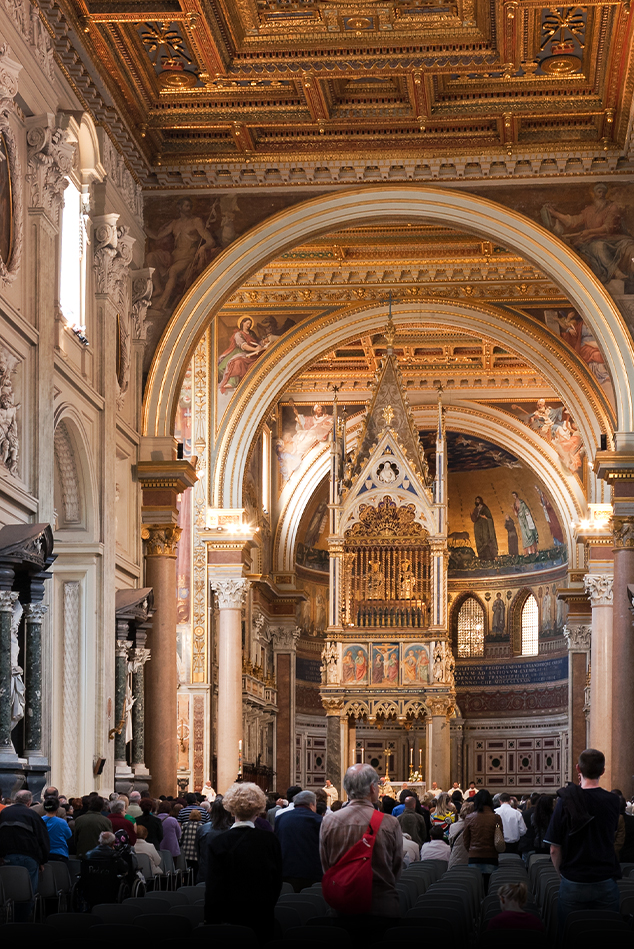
<point x="599" y="588"/>
<point x="578" y="637"/>
<point x="440" y="705"/>
<point x="231" y="594"/>
<point x="332" y="706"/>
<point x="7" y="601"/>
<point x="112" y="257"/>
<point x="285" y="637"/>
<point x="623" y="532"/>
<point x="50" y="159"/>
<point x="122" y="648"/>
<point x="161" y="540"/>
<point x="35" y="612"/>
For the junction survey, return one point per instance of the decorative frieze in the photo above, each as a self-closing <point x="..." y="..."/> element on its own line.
<point x="599" y="588"/>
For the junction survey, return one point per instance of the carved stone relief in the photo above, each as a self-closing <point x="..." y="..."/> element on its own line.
<point x="50" y="160"/>
<point x="68" y="478"/>
<point x="9" y="436"/>
<point x="578" y="637"/>
<point x="26" y="19"/>
<point x="15" y="227"/>
<point x="599" y="588"/>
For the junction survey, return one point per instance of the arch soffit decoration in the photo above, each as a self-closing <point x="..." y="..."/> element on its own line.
<point x="315" y="338"/>
<point x="336" y="211"/>
<point x="566" y="492"/>
<point x="85" y="470"/>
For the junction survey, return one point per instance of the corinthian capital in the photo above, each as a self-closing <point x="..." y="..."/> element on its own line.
<point x="112" y="258"/>
<point x="231" y="593"/>
<point x="35" y="612"/>
<point x="7" y="601"/>
<point x="162" y="540"/>
<point x="578" y="637"/>
<point x="599" y="588"/>
<point x="50" y="159"/>
<point x="440" y="704"/>
<point x="285" y="637"/>
<point x="623" y="531"/>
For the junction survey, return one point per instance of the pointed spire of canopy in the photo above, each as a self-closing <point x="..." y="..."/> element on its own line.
<point x="389" y="408"/>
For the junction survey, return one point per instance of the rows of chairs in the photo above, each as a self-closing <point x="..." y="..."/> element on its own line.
<point x="434" y="902"/>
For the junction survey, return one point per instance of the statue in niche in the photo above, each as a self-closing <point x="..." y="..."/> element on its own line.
<point x="499" y="615"/>
<point x="444" y="667"/>
<point x="408" y="580"/>
<point x="439" y="663"/>
<point x="376" y="581"/>
<point x="17" y="682"/>
<point x="329" y="664"/>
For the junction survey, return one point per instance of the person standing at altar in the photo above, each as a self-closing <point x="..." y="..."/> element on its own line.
<point x="331" y="792"/>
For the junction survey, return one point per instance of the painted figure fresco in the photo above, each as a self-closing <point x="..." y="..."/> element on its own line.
<point x="554" y="423"/>
<point x="551" y="518"/>
<point x="528" y="530"/>
<point x="180" y="251"/>
<point x="302" y="429"/>
<point x="243" y="349"/>
<point x="484" y="530"/>
<point x="416" y="665"/>
<point x="385" y="664"/>
<point x="499" y="615"/>
<point x="355" y="664"/>
<point x="597" y="233"/>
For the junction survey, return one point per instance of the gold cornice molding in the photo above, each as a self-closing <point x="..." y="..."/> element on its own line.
<point x="176" y="475"/>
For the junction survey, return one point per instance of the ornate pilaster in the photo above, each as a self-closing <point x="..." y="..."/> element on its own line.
<point x="112" y="257"/>
<point x="33" y="615"/>
<point x="599" y="588"/>
<point x="441" y="707"/>
<point x="49" y="160"/>
<point x="141" y="298"/>
<point x="9" y="71"/>
<point x="579" y="640"/>
<point x="7" y="604"/>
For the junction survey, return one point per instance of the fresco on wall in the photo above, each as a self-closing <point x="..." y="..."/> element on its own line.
<point x="303" y="427"/>
<point x="385" y="664"/>
<point x="186" y="233"/>
<point x="355" y="664"/>
<point x="552" y="420"/>
<point x="569" y="326"/>
<point x="312" y="613"/>
<point x="416" y="665"/>
<point x="501" y="518"/>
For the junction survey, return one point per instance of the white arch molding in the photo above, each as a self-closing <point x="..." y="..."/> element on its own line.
<point x="320" y="335"/>
<point x="487" y="423"/>
<point x="373" y="204"/>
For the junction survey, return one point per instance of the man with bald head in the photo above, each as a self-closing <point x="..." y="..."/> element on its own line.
<point x="344" y="828"/>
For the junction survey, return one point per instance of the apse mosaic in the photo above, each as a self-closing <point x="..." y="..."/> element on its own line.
<point x="501" y="519"/>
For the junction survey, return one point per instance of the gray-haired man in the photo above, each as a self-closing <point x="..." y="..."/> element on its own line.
<point x="342" y="829"/>
<point x="298" y="833"/>
<point x="24" y="841"/>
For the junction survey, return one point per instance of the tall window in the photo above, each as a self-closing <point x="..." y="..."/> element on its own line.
<point x="530" y="627"/>
<point x="73" y="260"/>
<point x="470" y="629"/>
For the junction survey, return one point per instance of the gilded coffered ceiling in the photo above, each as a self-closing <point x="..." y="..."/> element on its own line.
<point x="245" y="81"/>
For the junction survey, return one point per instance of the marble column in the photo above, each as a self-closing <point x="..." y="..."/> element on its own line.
<point x="231" y="596"/>
<point x="7" y="603"/>
<point x="438" y="740"/>
<point x="334" y="708"/>
<point x="579" y="638"/>
<point x="138" y="659"/>
<point x="623" y="654"/>
<point x="161" y="679"/>
<point x="120" y="684"/>
<point x="599" y="588"/>
<point x="33" y="616"/>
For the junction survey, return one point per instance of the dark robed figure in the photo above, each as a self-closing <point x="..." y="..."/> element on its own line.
<point x="484" y="530"/>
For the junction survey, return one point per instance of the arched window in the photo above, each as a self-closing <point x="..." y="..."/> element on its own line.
<point x="530" y="627"/>
<point x="470" y="629"/>
<point x="73" y="260"/>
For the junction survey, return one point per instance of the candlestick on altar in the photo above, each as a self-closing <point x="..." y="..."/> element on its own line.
<point x="240" y="758"/>
<point x="387" y="753"/>
<point x="362" y="755"/>
<point x="420" y="760"/>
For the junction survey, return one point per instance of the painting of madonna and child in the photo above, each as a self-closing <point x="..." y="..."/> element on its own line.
<point x="501" y="518"/>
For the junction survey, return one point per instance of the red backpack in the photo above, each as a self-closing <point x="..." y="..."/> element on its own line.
<point x="347" y="885"/>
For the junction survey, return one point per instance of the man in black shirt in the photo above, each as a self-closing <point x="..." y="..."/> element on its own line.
<point x="581" y="837"/>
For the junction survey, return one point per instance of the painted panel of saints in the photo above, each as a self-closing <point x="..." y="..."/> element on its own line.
<point x="385" y="664"/>
<point x="416" y="665"/>
<point x="355" y="664"/>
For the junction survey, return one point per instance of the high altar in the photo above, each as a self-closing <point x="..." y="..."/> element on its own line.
<point x="387" y="659"/>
